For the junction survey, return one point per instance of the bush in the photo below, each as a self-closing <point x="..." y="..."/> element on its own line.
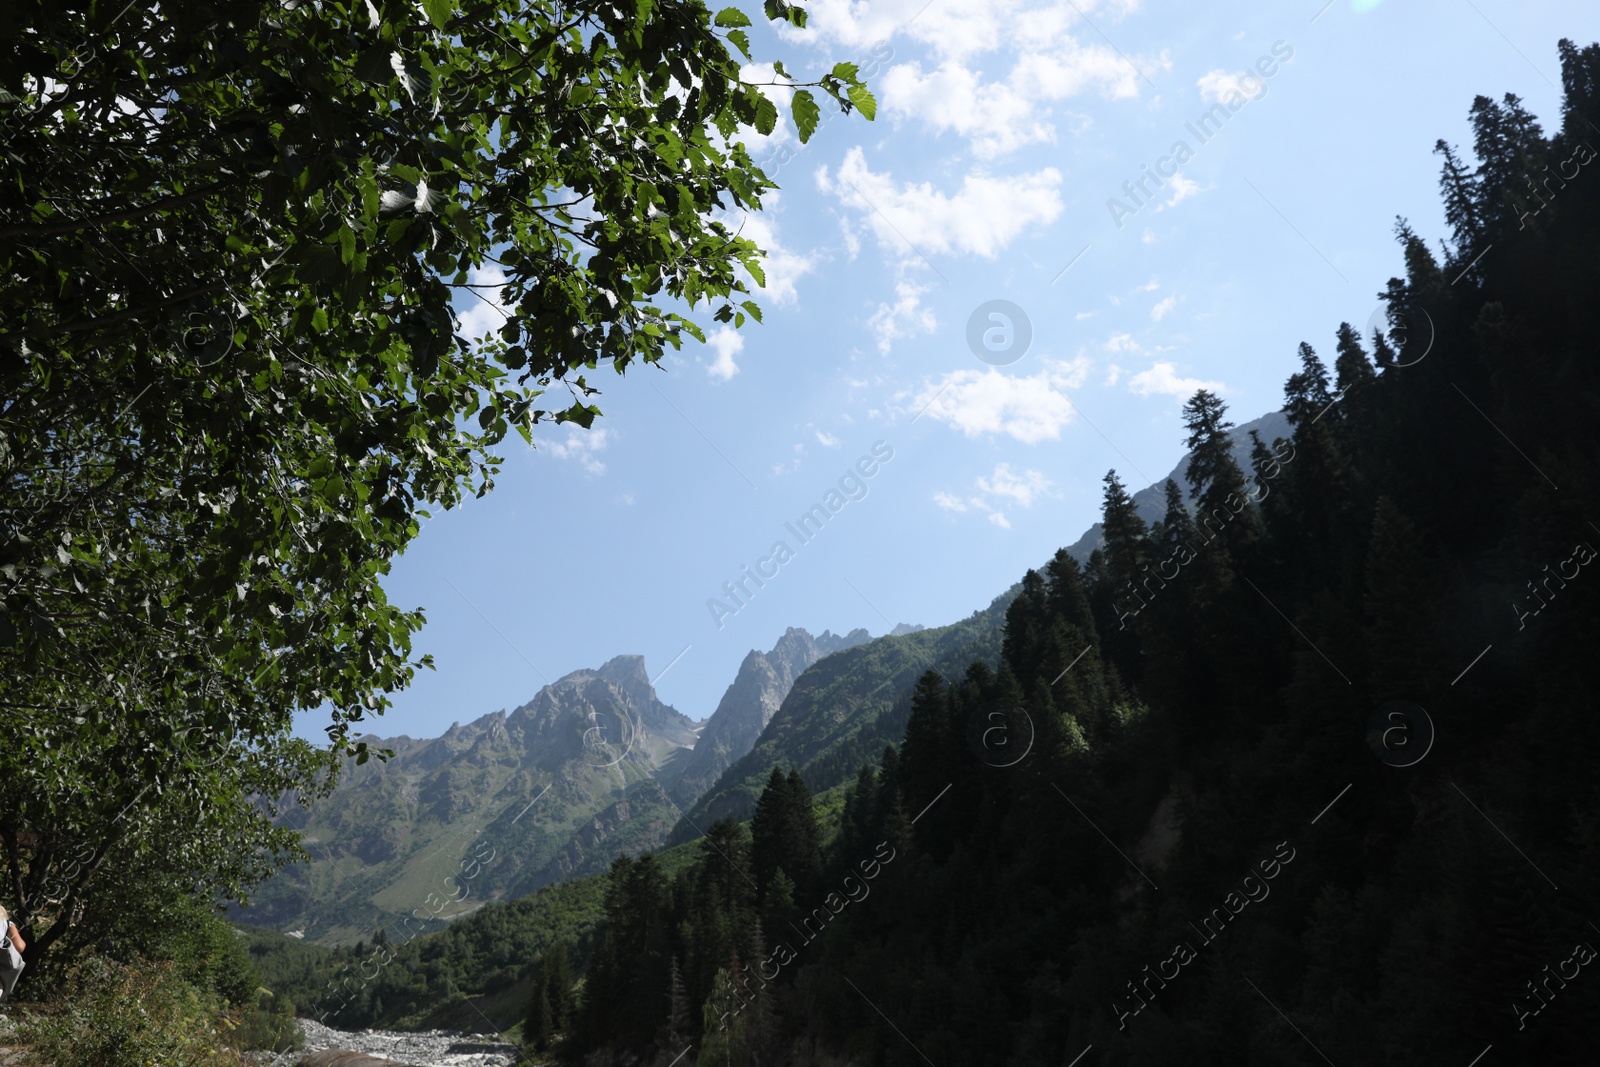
<point x="122" y="1015"/>
<point x="203" y="948"/>
<point x="268" y="1023"/>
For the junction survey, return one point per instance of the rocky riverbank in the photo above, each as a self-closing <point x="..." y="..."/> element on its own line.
<point x="428" y="1048"/>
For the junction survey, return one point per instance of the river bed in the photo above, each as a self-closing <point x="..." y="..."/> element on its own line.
<point x="425" y="1048"/>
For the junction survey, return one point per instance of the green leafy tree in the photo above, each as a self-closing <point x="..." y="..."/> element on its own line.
<point x="236" y="240"/>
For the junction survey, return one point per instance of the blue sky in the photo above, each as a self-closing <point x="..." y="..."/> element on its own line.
<point x="1004" y="128"/>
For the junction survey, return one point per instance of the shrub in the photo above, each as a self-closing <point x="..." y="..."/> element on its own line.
<point x="130" y="1015"/>
<point x="268" y="1023"/>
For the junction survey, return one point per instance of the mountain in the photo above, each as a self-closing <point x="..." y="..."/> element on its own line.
<point x="595" y="764"/>
<point x="764" y="679"/>
<point x="843" y="711"/>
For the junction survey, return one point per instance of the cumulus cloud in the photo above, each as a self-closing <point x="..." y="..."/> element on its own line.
<point x="827" y="440"/>
<point x="1020" y="488"/>
<point x="992" y="68"/>
<point x="1161" y="310"/>
<point x="582" y="447"/>
<point x="1163" y="379"/>
<point x="726" y="342"/>
<point x="1001" y="116"/>
<point x="993" y="490"/>
<point x="982" y="217"/>
<point x="951" y="28"/>
<point x="1230" y="87"/>
<point x="783" y="266"/>
<point x="904" y="317"/>
<point x="992" y="403"/>
<point x="1182" y="189"/>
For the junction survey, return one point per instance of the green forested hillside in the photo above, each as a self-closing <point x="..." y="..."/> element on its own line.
<point x="843" y="710"/>
<point x="471" y="973"/>
<point x="1309" y="774"/>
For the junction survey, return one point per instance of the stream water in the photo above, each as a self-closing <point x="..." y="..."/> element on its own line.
<point x="427" y="1048"/>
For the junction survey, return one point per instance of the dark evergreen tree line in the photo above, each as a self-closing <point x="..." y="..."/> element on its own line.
<point x="1198" y="700"/>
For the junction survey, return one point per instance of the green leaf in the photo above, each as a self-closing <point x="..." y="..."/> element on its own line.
<point x="730" y="17"/>
<point x="766" y="116"/>
<point x="741" y="40"/>
<point x="846" y="72"/>
<point x="864" y="101"/>
<point x="438" y="11"/>
<point x="806" y="114"/>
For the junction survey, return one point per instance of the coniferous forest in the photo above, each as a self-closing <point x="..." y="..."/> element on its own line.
<point x="1301" y="773"/>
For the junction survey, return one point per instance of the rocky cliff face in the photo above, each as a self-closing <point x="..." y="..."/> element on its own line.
<point x="758" y="690"/>
<point x="448" y="822"/>
<point x="595" y="764"/>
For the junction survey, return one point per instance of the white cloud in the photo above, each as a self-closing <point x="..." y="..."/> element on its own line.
<point x="1163" y="379"/>
<point x="764" y="76"/>
<point x="1003" y="485"/>
<point x="989" y="402"/>
<point x="1021" y="488"/>
<point x="827" y="440"/>
<point x="1182" y="189"/>
<point x="1001" y="116"/>
<point x="949" y="27"/>
<point x="782" y="266"/>
<point x="625" y="499"/>
<point x="726" y="343"/>
<point x="1113" y="374"/>
<point x="906" y="317"/>
<point x="1233" y="89"/>
<point x="1149" y="236"/>
<point x="1080" y="316"/>
<point x="482" y="312"/>
<point x="1150" y="286"/>
<point x="995" y="116"/>
<point x="582" y="447"/>
<point x="1122" y="342"/>
<point x="985" y="215"/>
<point x="1161" y="310"/>
<point x="780" y="469"/>
<point x="999" y="104"/>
